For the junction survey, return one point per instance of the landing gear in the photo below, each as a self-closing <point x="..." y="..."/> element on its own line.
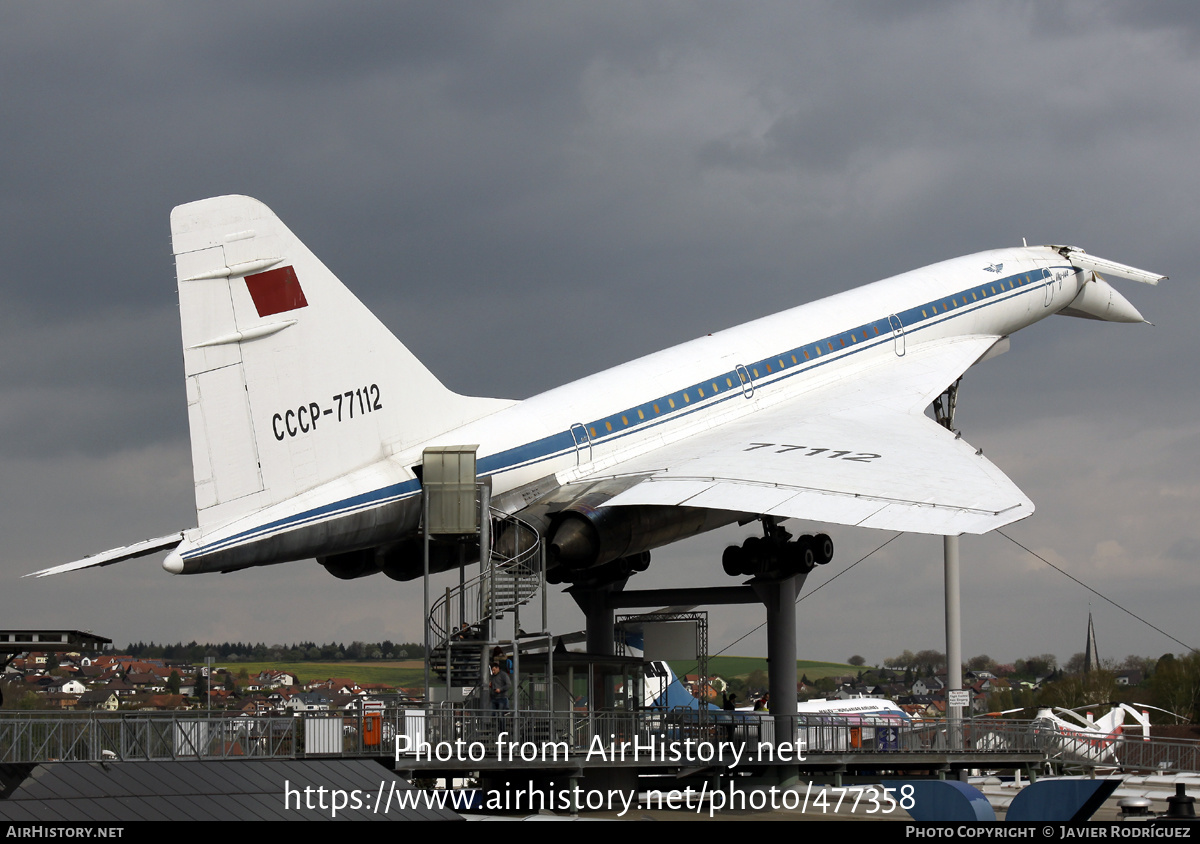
<point x="778" y="565"/>
<point x="776" y="554"/>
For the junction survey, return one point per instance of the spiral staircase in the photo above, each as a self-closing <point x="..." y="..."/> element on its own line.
<point x="463" y="620"/>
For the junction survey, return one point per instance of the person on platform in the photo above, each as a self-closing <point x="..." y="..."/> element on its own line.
<point x="499" y="688"/>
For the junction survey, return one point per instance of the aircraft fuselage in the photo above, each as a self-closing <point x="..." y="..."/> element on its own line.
<point x="575" y="433"/>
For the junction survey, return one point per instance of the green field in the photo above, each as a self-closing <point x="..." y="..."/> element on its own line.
<point x="410" y="672"/>
<point x="741" y="666"/>
<point x="406" y="672"/>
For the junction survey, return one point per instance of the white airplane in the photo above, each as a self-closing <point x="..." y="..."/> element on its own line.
<point x="1088" y="739"/>
<point x="863" y="707"/>
<point x="309" y="418"/>
<point x="663" y="690"/>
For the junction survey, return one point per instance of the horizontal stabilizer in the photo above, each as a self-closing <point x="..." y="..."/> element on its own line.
<point x="116" y="555"/>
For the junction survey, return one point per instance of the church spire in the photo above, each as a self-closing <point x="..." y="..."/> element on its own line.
<point x="1091" y="659"/>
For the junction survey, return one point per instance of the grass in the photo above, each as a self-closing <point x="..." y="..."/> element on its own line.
<point x="730" y="667"/>
<point x="411" y="672"/>
<point x="399" y="672"/>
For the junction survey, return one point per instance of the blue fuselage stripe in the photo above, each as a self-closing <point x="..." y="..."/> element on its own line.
<point x="554" y="446"/>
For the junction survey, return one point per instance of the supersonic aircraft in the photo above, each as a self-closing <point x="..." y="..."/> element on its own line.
<point x="308" y="418"/>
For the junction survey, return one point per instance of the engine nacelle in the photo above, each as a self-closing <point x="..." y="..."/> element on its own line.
<point x="404" y="560"/>
<point x="614" y="570"/>
<point x="587" y="534"/>
<point x="351" y="565"/>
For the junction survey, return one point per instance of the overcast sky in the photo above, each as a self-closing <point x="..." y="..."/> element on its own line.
<point x="530" y="192"/>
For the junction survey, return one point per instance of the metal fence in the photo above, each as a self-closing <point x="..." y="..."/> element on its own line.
<point x="442" y="734"/>
<point x="448" y="734"/>
<point x="95" y="737"/>
<point x="1078" y="749"/>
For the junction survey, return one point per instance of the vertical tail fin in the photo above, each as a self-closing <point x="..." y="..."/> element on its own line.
<point x="291" y="381"/>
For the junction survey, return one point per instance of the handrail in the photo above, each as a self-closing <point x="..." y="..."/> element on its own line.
<point x="132" y="736"/>
<point x="517" y="568"/>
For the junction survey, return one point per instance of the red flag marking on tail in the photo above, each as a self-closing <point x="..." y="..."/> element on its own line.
<point x="276" y="291"/>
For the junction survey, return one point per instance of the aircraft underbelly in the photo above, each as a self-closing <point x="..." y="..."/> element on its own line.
<point x="320" y="537"/>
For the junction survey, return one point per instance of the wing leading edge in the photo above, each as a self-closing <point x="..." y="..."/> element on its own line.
<point x="859" y="452"/>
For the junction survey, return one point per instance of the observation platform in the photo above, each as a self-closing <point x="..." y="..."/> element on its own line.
<point x="464" y="742"/>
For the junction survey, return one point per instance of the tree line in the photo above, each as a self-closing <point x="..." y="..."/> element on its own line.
<point x="1171" y="682"/>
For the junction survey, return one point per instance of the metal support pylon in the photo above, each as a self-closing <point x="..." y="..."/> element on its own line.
<point x="944" y="407"/>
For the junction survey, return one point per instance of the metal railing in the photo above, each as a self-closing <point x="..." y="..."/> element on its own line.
<point x="453" y="734"/>
<point x="509" y="580"/>
<point x="1078" y="749"/>
<point x="143" y="736"/>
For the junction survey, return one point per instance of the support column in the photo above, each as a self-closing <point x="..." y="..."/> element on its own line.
<point x="601" y="616"/>
<point x="781" y="658"/>
<point x="954" y="676"/>
<point x="944" y="407"/>
<point x="779" y="598"/>
<point x="600" y="621"/>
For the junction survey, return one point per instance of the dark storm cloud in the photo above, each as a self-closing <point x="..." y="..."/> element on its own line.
<point x="529" y="192"/>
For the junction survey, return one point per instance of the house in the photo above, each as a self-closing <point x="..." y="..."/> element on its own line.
<point x="120" y="687"/>
<point x="100" y="699"/>
<point x="58" y="700"/>
<point x="147" y="681"/>
<point x="66" y="686"/>
<point x="928" y="686"/>
<point x="318" y="701"/>
<point x="275" y="679"/>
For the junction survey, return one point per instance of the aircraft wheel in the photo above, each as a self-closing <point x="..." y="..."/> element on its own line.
<point x="824" y="548"/>
<point x="731" y="560"/>
<point x="806" y="555"/>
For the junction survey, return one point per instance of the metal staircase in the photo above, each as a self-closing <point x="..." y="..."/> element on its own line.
<point x="509" y="578"/>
